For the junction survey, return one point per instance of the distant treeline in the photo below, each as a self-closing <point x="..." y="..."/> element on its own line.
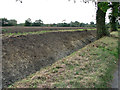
<point x="6" y="22"/>
<point x="28" y="22"/>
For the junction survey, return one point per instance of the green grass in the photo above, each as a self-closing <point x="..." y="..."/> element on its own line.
<point x="25" y="33"/>
<point x="89" y="67"/>
<point x="114" y="34"/>
<point x="41" y="32"/>
<point x="4" y="30"/>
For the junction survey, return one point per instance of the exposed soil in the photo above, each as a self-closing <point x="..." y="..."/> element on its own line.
<point x="26" y="54"/>
<point x="34" y="29"/>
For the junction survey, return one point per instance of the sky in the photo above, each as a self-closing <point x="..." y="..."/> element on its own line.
<point x="49" y="11"/>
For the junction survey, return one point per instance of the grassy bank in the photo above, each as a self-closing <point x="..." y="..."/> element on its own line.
<point x="89" y="67"/>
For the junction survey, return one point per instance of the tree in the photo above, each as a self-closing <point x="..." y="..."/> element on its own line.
<point x="63" y="25"/>
<point x="92" y="24"/>
<point x="38" y="23"/>
<point x="102" y="8"/>
<point x="12" y="22"/>
<point x="28" y="22"/>
<point x="82" y="24"/>
<point x="21" y="24"/>
<point x="19" y="1"/>
<point x="74" y="24"/>
<point x="77" y="24"/>
<point x="113" y="16"/>
<point x="4" y="22"/>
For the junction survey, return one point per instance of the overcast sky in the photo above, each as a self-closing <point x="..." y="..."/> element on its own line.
<point x="49" y="11"/>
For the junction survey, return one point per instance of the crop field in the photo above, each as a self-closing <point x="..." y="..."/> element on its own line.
<point x="19" y="29"/>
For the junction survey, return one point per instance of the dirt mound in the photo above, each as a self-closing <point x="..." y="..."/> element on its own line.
<point x="24" y="55"/>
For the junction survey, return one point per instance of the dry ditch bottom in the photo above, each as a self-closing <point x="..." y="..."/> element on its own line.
<point x="26" y="54"/>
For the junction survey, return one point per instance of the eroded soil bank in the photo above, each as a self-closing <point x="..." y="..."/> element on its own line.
<point x="24" y="55"/>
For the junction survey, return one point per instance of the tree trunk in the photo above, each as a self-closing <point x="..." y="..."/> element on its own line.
<point x="113" y="17"/>
<point x="100" y="20"/>
<point x="113" y="24"/>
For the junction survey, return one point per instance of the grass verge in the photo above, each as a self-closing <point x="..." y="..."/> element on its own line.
<point x="89" y="67"/>
<point x="41" y="32"/>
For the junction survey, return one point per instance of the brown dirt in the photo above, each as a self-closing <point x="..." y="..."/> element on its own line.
<point x="24" y="55"/>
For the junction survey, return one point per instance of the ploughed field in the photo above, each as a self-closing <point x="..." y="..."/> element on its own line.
<point x="20" y="29"/>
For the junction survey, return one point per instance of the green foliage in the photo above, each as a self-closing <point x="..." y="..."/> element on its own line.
<point x="75" y="24"/>
<point x="114" y="53"/>
<point x="12" y="22"/>
<point x="3" y="21"/>
<point x="21" y="24"/>
<point x="115" y="8"/>
<point x="113" y="15"/>
<point x="6" y="22"/>
<point x="28" y="22"/>
<point x="103" y="6"/>
<point x="38" y="23"/>
<point x="92" y="24"/>
<point x="63" y="25"/>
